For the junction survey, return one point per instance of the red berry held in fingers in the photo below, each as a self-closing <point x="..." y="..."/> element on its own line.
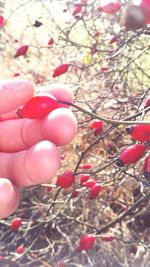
<point x="94" y="191"/>
<point x="139" y="132"/>
<point x="147" y="167"/>
<point x="86" y="242"/>
<point x="131" y="154"/>
<point x="21" y="51"/>
<point x="65" y="180"/>
<point x="38" y="107"/>
<point x="20" y="249"/>
<point x="61" y="69"/>
<point x="15" y="224"/>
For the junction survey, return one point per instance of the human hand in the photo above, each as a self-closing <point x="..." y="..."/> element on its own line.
<point x="29" y="151"/>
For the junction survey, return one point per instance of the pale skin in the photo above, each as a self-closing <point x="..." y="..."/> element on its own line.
<point x="29" y="149"/>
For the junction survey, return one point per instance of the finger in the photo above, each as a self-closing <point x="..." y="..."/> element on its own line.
<point x="9" y="115"/>
<point x="34" y="166"/>
<point x="59" y="126"/>
<point x="14" y="93"/>
<point x="59" y="90"/>
<point x="9" y="198"/>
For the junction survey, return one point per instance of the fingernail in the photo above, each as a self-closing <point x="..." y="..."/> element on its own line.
<point x="14" y="84"/>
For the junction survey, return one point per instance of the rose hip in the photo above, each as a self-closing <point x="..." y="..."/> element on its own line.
<point x="86" y="242"/>
<point x="61" y="69"/>
<point x="15" y="224"/>
<point x="65" y="180"/>
<point x="21" y="51"/>
<point x="38" y="107"/>
<point x="131" y="154"/>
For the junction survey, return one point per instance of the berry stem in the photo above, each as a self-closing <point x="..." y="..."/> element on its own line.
<point x="115" y="122"/>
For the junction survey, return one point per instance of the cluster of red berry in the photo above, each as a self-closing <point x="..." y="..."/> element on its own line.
<point x="132" y="153"/>
<point x="86" y="242"/>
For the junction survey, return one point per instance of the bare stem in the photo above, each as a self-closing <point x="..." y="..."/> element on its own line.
<point x="115" y="122"/>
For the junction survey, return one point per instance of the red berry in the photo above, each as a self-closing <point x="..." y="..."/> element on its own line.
<point x="16" y="74"/>
<point x="2" y="21"/>
<point x="131" y="154"/>
<point x="48" y="188"/>
<point x="61" y="69"/>
<point x="20" y="249"/>
<point x="89" y="183"/>
<point x="86" y="242"/>
<point x="139" y="132"/>
<point x="51" y="41"/>
<point x="104" y="69"/>
<point x="94" y="191"/>
<point x="62" y="156"/>
<point x="75" y="193"/>
<point x="94" y="50"/>
<point x="107" y="238"/>
<point x="38" y="107"/>
<point x="86" y="166"/>
<point x="113" y="39"/>
<point x="96" y="34"/>
<point x="77" y="9"/>
<point x="147" y="167"/>
<point x="65" y="10"/>
<point x="15" y="224"/>
<point x="16" y="41"/>
<point x="21" y="51"/>
<point x="65" y="180"/>
<point x="94" y="124"/>
<point x="111" y="7"/>
<point x="97" y="125"/>
<point x="147" y="102"/>
<point x="83" y="179"/>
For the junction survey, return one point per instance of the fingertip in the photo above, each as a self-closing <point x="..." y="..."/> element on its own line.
<point x="9" y="198"/>
<point x="36" y="165"/>
<point x="60" y="126"/>
<point x="14" y="93"/>
<point x="45" y="156"/>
